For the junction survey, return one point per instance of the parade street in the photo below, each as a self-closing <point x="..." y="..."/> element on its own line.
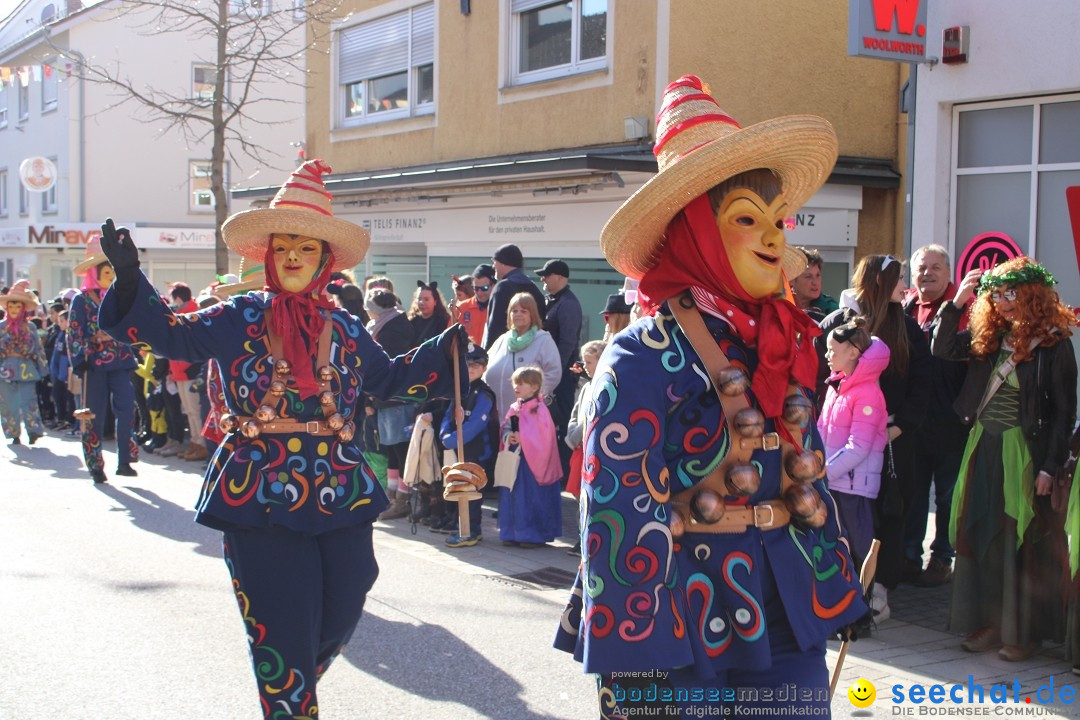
<point x="115" y="604"/>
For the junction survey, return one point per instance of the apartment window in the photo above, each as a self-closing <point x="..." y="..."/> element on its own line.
<point x="203" y="79"/>
<point x="201" y="198"/>
<point x="386" y="67"/>
<point x="24" y="200"/>
<point x="3" y="106"/>
<point x="4" y="193"/>
<point x="24" y="101"/>
<point x="49" y="88"/>
<point x="298" y="10"/>
<point x="554" y="39"/>
<point x="48" y="198"/>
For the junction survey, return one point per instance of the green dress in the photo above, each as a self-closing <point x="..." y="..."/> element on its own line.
<point x="1011" y="561"/>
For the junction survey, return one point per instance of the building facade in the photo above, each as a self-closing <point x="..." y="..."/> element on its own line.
<point x="997" y="138"/>
<point x="110" y="159"/>
<point x="454" y="127"/>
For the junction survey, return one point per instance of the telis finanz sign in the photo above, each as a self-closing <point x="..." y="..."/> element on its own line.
<point x="887" y="29"/>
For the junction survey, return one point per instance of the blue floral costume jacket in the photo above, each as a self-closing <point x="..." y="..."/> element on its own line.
<point x="88" y="346"/>
<point x="645" y="601"/>
<point x="307" y="483"/>
<point x="22" y="358"/>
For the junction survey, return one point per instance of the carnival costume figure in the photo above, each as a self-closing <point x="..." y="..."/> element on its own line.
<point x="712" y="553"/>
<point x="288" y="486"/>
<point x="105" y="366"/>
<point x="22" y="364"/>
<point x="1010" y="584"/>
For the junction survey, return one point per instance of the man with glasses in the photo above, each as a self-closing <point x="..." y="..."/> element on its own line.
<point x="942" y="435"/>
<point x="473" y="312"/>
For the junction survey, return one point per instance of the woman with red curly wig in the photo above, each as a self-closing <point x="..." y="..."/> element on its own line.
<point x="1010" y="583"/>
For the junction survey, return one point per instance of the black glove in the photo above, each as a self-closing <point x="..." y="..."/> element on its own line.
<point x="857" y="629"/>
<point x="118" y="247"/>
<point x="459" y="333"/>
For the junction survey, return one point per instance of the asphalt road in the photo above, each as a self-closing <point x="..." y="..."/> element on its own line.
<point x="115" y="604"/>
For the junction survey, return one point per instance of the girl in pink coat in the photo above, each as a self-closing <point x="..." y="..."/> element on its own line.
<point x="853" y="428"/>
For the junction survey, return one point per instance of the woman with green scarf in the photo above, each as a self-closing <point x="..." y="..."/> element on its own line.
<point x="526" y="343"/>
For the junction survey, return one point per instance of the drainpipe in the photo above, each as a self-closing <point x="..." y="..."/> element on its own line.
<point x="82" y="132"/>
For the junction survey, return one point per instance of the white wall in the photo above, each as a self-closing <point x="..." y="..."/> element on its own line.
<point x="1017" y="49"/>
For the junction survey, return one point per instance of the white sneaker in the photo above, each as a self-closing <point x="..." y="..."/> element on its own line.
<point x="170" y="448"/>
<point x="879" y="603"/>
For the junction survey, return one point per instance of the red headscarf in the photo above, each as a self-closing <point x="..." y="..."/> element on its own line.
<point x="296" y="319"/>
<point x="694" y="256"/>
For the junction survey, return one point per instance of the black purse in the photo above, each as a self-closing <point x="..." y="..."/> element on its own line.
<point x="891" y="503"/>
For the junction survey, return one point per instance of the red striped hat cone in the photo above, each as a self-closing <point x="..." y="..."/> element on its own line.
<point x="301" y="207"/>
<point x="698" y="146"/>
<point x="20" y="292"/>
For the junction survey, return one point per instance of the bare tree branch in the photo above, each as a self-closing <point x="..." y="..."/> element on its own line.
<point x="254" y="53"/>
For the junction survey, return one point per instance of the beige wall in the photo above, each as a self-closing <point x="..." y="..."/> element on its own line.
<point x="760" y="59"/>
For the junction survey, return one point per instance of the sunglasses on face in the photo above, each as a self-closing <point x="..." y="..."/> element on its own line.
<point x="1007" y="295"/>
<point x="482" y="288"/>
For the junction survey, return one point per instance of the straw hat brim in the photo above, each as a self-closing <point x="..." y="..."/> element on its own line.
<point x="240" y="287"/>
<point x="800" y="149"/>
<point x="29" y="301"/>
<point x="90" y="262"/>
<point x="246" y="233"/>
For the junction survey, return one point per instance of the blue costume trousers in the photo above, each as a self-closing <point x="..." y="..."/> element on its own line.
<point x="103" y="387"/>
<point x="18" y="406"/>
<point x="796" y="679"/>
<point x="300" y="598"/>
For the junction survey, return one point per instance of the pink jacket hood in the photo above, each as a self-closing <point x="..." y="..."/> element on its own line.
<point x="853" y="425"/>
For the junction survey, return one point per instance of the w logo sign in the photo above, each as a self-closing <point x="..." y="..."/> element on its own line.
<point x="905" y="12"/>
<point x="887" y="29"/>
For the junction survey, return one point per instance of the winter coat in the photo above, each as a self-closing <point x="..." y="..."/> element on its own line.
<point x="853" y="425"/>
<point x="541" y="352"/>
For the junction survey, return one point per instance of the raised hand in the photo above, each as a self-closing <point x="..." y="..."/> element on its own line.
<point x="118" y="247"/>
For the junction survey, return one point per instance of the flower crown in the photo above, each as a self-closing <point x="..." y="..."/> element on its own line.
<point x="1033" y="273"/>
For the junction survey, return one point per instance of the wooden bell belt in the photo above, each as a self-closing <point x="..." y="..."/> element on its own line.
<point x="768" y="515"/>
<point x="285" y="427"/>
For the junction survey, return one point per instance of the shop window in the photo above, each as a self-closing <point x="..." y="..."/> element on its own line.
<point x="50" y="82"/>
<point x="1059" y="137"/>
<point x="386" y="67"/>
<point x="554" y="39"/>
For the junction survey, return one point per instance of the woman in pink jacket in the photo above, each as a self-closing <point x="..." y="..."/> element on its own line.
<point x="853" y="428"/>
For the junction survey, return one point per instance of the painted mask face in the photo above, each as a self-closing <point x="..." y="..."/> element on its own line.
<point x="105" y="276"/>
<point x="14" y="309"/>
<point x="754" y="239"/>
<point x="296" y="259"/>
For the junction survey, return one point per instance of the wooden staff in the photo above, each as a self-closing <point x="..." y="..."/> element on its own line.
<point x="462" y="481"/>
<point x="865" y="578"/>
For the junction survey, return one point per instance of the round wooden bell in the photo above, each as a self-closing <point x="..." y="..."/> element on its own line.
<point x="732" y="381"/>
<point x="250" y="428"/>
<point x="750" y="423"/>
<point x="803" y="466"/>
<point x="265" y="413"/>
<point x="678" y="526"/>
<point x="336" y="422"/>
<point x="326" y="373"/>
<point x="345" y="434"/>
<point x="819" y="517"/>
<point x="227" y="423"/>
<point x="707" y="506"/>
<point x="327" y="398"/>
<point x="802" y="502"/>
<point x="282" y="368"/>
<point x="797" y="409"/>
<point x="743" y="480"/>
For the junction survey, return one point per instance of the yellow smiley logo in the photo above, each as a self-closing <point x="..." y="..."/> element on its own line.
<point x="862" y="693"/>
